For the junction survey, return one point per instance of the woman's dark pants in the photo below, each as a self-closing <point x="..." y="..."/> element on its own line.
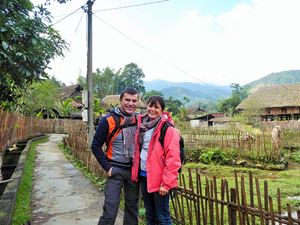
<point x="157" y="206"/>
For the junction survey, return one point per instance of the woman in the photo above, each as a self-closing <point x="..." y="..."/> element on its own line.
<point x="154" y="165"/>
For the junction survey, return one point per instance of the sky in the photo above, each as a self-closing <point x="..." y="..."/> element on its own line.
<point x="205" y="41"/>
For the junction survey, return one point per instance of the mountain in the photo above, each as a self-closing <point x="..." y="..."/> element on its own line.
<point x="284" y="77"/>
<point x="196" y="92"/>
<point x="209" y="93"/>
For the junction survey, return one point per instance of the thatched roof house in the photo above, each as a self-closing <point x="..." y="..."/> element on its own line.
<point x="195" y="111"/>
<point x="280" y="101"/>
<point x="111" y="101"/>
<point x="205" y="120"/>
<point x="75" y="93"/>
<point x="72" y="91"/>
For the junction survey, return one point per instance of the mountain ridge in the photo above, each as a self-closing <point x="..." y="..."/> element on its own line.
<point x="194" y="91"/>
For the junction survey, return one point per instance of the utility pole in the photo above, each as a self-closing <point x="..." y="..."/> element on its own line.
<point x="91" y="129"/>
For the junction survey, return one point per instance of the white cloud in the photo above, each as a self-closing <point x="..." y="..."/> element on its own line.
<point x="240" y="45"/>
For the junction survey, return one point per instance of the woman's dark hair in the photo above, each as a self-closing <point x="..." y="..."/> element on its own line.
<point x="154" y="100"/>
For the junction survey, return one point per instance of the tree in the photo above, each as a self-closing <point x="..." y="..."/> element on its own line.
<point x="41" y="96"/>
<point x="173" y="105"/>
<point x="66" y="107"/>
<point x="228" y="105"/>
<point x="103" y="82"/>
<point x="131" y="76"/>
<point x="150" y="93"/>
<point x="27" y="44"/>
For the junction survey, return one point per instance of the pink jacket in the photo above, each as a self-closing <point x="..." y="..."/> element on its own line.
<point x="162" y="163"/>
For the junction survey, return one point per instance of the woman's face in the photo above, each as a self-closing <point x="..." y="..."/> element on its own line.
<point x="154" y="111"/>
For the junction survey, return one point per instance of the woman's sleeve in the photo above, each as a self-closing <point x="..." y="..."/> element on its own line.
<point x="172" y="162"/>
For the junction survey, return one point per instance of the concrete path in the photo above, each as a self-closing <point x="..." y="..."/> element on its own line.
<point x="61" y="194"/>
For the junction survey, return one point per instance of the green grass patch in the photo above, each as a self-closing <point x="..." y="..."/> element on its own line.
<point x="288" y="181"/>
<point x="22" y="213"/>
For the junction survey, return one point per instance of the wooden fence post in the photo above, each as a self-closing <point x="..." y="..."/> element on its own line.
<point x="232" y="210"/>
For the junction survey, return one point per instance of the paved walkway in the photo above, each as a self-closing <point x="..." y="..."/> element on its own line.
<point x="61" y="194"/>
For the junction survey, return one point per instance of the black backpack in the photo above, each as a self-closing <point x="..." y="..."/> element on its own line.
<point x="181" y="142"/>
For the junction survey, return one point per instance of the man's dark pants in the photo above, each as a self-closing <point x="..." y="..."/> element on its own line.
<point x="120" y="178"/>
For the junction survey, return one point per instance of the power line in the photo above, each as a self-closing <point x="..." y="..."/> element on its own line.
<point x="129" y="6"/>
<point x="67" y="16"/>
<point x="143" y="47"/>
<point x="79" y="22"/>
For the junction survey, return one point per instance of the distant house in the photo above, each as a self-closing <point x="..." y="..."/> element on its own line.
<point x="75" y="93"/>
<point x="195" y="111"/>
<point x="206" y="120"/>
<point x="281" y="102"/>
<point x="220" y="121"/>
<point x="111" y="101"/>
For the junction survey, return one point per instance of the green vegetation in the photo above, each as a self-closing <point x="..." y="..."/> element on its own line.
<point x="288" y="181"/>
<point x="295" y="156"/>
<point x="228" y="105"/>
<point x="284" y="77"/>
<point x="22" y="213"/>
<point x="109" y="82"/>
<point x="217" y="156"/>
<point x="97" y="181"/>
<point x="27" y="46"/>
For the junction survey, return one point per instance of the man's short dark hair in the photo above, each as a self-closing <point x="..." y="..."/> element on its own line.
<point x="153" y="100"/>
<point x="128" y="90"/>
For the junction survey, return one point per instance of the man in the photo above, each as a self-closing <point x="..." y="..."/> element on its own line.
<point x="117" y="130"/>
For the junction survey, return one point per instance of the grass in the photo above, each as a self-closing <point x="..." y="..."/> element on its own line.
<point x="22" y="213"/>
<point x="288" y="180"/>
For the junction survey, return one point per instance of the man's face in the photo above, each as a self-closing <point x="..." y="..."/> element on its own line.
<point x="128" y="103"/>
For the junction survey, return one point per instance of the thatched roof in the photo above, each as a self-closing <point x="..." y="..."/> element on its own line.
<point x="70" y="91"/>
<point x="273" y="96"/>
<point x="111" y="101"/>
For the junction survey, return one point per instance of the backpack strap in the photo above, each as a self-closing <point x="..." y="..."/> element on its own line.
<point x="163" y="132"/>
<point x="118" y="126"/>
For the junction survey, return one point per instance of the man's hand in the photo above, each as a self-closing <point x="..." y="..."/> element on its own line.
<point x="109" y="172"/>
<point x="163" y="191"/>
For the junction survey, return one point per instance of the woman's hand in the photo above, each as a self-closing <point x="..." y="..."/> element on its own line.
<point x="163" y="191"/>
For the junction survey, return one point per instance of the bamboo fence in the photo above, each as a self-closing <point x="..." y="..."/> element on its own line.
<point x="199" y="201"/>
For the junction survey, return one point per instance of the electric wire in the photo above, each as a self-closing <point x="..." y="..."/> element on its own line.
<point x="66" y="16"/>
<point x="79" y="22"/>
<point x="128" y="37"/>
<point x="71" y="42"/>
<point x="129" y="6"/>
<point x="149" y="51"/>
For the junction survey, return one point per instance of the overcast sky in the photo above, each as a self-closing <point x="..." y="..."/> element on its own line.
<point x="211" y="41"/>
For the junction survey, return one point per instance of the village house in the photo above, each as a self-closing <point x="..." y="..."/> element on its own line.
<point x="195" y="111"/>
<point x="75" y="93"/>
<point x="277" y="102"/>
<point x="208" y="120"/>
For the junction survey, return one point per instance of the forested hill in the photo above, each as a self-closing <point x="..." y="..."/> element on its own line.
<point x="284" y="77"/>
<point x="194" y="91"/>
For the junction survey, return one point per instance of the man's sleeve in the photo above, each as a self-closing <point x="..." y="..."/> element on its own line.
<point x="98" y="141"/>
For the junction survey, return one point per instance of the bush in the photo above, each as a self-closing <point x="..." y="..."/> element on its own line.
<point x="217" y="156"/>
